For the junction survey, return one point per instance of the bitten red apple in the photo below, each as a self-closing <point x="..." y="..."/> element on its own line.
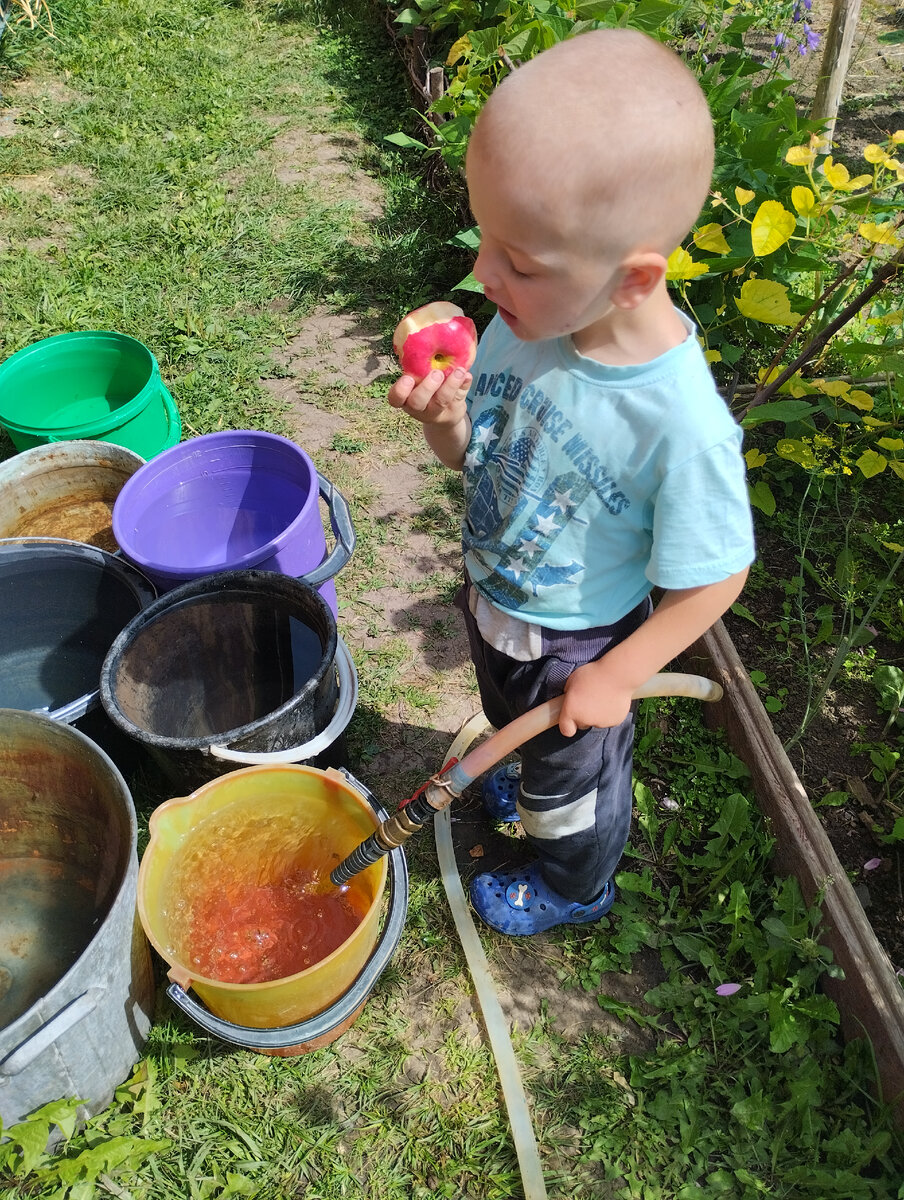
<point x="435" y="337"/>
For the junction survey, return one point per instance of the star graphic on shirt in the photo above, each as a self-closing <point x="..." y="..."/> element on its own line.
<point x="529" y="546"/>
<point x="563" y="501"/>
<point x="517" y="566"/>
<point x="472" y="460"/>
<point x="484" y="435"/>
<point x="545" y="525"/>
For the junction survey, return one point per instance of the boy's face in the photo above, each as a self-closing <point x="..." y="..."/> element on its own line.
<point x="544" y="283"/>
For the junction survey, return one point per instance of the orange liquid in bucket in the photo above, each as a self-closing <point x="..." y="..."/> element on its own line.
<point x="252" y="933"/>
<point x="234" y="892"/>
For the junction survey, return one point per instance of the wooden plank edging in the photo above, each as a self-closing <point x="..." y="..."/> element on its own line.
<point x="869" y="998"/>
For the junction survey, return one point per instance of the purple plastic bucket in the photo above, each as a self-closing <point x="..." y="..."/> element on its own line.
<point x="229" y="501"/>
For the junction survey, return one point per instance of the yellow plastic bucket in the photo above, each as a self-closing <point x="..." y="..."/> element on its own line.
<point x="261" y="826"/>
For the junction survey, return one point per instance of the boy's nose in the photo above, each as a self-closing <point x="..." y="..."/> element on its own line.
<point x="483" y="269"/>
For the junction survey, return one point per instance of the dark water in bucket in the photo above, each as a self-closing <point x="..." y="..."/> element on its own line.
<point x="206" y="668"/>
<point x="61" y="606"/>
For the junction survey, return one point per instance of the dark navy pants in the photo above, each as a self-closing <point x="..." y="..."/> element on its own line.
<point x="576" y="793"/>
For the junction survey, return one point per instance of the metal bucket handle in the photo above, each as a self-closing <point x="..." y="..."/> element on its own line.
<point x="341" y="522"/>
<point x="282" y="1036"/>
<point x="44" y="1037"/>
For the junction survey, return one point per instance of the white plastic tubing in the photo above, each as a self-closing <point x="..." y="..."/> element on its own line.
<point x="345" y="706"/>
<point x="493" y="1016"/>
<point x="468" y="767"/>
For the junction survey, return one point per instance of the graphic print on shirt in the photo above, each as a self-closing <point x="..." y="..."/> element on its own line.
<point x="515" y="512"/>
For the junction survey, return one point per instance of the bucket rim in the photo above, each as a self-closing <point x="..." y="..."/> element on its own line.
<point x="104" y="424"/>
<point x="345" y="708"/>
<point x="366" y="802"/>
<point x="34" y="455"/>
<point x="170" y="457"/>
<point x="80" y="706"/>
<point x="201" y="589"/>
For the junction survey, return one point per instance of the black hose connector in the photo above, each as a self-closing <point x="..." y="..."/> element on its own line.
<point x="392" y="833"/>
<point x="362" y="857"/>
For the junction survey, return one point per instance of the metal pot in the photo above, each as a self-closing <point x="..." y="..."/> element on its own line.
<point x="76" y="985"/>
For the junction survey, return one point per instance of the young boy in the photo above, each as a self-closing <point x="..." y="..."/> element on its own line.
<point x="599" y="460"/>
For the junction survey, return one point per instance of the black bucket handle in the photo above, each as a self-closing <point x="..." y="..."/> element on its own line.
<point x="283" y="1036"/>
<point x="343" y="530"/>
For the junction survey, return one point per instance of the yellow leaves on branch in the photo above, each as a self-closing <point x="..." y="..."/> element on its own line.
<point x="771" y="227"/>
<point x="871" y="463"/>
<point x="766" y="300"/>
<point x="681" y="266"/>
<point x="840" y="389"/>
<point x="880" y="234"/>
<point x="710" y="237"/>
<point x="803" y="200"/>
<point x="743" y="196"/>
<point x="459" y="50"/>
<point x="800" y="156"/>
<point x="805" y="156"/>
<point x="840" y="179"/>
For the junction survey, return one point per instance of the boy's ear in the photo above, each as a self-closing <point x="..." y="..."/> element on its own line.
<point x="641" y="274"/>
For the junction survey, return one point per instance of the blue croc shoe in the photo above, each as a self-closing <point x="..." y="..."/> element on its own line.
<point x="523" y="903"/>
<point x="500" y="792"/>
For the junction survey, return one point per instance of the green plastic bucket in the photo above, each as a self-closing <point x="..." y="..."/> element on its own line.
<point x="96" y="384"/>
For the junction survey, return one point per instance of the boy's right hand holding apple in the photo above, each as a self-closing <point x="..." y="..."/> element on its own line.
<point x="436" y="399"/>
<point x="436" y="344"/>
<point x="440" y="405"/>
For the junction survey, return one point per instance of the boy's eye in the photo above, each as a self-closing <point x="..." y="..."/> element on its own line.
<point x="520" y="274"/>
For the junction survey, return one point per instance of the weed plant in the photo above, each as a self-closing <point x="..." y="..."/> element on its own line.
<point x="749" y="1069"/>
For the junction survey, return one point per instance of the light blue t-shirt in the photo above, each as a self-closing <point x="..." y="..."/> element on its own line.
<point x="587" y="484"/>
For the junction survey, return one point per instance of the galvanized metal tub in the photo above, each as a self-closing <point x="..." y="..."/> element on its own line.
<point x="76" y="985"/>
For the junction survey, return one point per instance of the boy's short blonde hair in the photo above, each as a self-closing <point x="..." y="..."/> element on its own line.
<point x="610" y="134"/>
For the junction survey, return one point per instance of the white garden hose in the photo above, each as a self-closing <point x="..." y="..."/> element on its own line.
<point x="503" y="742"/>
<point x="493" y="1016"/>
<point x="345" y="706"/>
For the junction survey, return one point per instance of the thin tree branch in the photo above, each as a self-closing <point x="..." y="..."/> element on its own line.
<point x="884" y="273"/>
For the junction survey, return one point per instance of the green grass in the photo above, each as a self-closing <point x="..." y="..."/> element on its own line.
<point x="155" y="210"/>
<point x="153" y="175"/>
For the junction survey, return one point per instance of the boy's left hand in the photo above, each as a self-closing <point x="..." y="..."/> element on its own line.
<point x="592" y="699"/>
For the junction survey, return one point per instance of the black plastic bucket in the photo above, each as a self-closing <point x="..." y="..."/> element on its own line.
<point x="244" y="659"/>
<point x="62" y="604"/>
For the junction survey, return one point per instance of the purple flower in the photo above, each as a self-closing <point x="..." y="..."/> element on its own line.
<point x="727" y="989"/>
<point x="872" y="864"/>
<point x="780" y="39"/>
<point x="811" y="39"/>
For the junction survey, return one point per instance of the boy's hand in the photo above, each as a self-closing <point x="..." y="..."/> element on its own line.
<point x="436" y="400"/>
<point x="593" y="700"/>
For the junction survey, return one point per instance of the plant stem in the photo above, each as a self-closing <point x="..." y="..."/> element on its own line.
<point x="844" y="647"/>
<point x="888" y="269"/>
